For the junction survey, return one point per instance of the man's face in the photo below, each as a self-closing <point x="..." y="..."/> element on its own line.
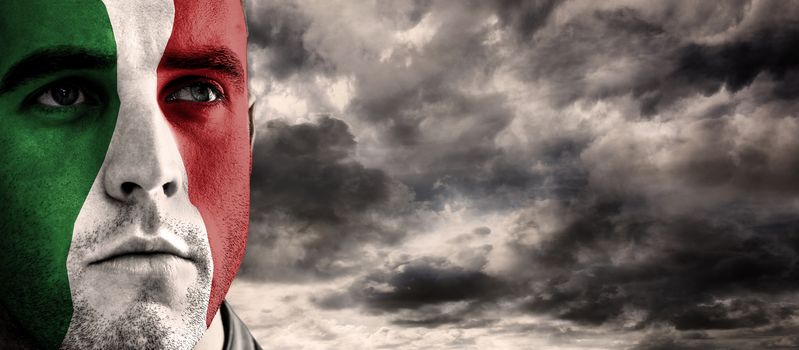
<point x="124" y="171"/>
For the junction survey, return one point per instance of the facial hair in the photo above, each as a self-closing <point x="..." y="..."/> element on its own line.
<point x="143" y="324"/>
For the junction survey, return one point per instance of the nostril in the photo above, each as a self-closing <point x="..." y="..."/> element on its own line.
<point x="128" y="187"/>
<point x="169" y="189"/>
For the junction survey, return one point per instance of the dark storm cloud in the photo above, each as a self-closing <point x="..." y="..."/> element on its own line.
<point x="400" y="99"/>
<point x="690" y="262"/>
<point x="305" y="187"/>
<point x="776" y="337"/>
<point x="525" y="17"/>
<point x="305" y="170"/>
<point x="645" y="153"/>
<point x="419" y="104"/>
<point x="750" y="167"/>
<point x="737" y="64"/>
<point x="278" y="29"/>
<point x="704" y="69"/>
<point x="668" y="68"/>
<point x="421" y="290"/>
<point x="411" y="96"/>
<point x="696" y="274"/>
<point x="423" y="282"/>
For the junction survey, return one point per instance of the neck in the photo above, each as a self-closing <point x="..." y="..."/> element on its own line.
<point x="214" y="337"/>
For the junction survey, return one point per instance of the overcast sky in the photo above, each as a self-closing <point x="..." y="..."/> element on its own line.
<point x="523" y="175"/>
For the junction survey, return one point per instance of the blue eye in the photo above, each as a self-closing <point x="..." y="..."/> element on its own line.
<point x="62" y="95"/>
<point x="197" y="92"/>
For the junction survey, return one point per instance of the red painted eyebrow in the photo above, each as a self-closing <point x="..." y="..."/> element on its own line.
<point x="220" y="59"/>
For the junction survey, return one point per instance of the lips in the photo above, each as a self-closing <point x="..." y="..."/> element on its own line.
<point x="143" y="247"/>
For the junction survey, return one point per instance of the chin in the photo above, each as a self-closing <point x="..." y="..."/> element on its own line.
<point x="139" y="303"/>
<point x="137" y="286"/>
<point x="142" y="320"/>
<point x="116" y="307"/>
<point x="144" y="325"/>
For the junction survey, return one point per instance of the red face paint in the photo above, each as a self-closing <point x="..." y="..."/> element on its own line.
<point x="208" y="50"/>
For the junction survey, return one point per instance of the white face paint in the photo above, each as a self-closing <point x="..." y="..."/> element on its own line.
<point x="139" y="263"/>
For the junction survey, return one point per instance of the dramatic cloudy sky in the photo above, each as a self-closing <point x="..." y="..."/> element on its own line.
<point x="523" y="175"/>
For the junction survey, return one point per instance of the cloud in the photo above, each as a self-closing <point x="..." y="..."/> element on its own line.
<point x="619" y="169"/>
<point x="418" y="283"/>
<point x="278" y="29"/>
<point x="610" y="261"/>
<point x="311" y="198"/>
<point x="525" y="17"/>
<point x="647" y="52"/>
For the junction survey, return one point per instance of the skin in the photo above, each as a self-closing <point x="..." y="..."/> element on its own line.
<point x="50" y="158"/>
<point x="82" y="179"/>
<point x="141" y="302"/>
<point x="214" y="134"/>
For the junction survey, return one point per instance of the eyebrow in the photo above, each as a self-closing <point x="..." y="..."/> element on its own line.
<point x="220" y="59"/>
<point x="53" y="60"/>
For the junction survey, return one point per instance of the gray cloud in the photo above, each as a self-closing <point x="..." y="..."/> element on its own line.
<point x="634" y="164"/>
<point x="525" y="17"/>
<point x="307" y="189"/>
<point x="418" y="283"/>
<point x="280" y="30"/>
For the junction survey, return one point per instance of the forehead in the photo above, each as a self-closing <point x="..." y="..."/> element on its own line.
<point x="204" y="23"/>
<point x="32" y="25"/>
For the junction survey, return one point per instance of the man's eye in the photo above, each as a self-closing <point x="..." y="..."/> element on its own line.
<point x="198" y="92"/>
<point x="63" y="95"/>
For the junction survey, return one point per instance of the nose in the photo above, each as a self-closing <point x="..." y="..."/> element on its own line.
<point x="143" y="158"/>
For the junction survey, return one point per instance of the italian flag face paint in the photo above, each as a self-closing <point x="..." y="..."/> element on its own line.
<point x="124" y="176"/>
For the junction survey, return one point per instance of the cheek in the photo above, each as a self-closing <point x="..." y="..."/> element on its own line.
<point x="42" y="189"/>
<point x="214" y="144"/>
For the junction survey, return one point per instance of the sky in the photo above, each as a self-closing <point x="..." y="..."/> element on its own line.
<point x="523" y="174"/>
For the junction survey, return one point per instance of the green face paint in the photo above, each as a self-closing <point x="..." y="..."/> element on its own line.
<point x="57" y="113"/>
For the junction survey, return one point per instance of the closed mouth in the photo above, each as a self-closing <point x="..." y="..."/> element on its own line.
<point x="142" y="248"/>
<point x="136" y="255"/>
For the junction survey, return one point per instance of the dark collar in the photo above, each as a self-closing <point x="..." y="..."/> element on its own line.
<point x="237" y="336"/>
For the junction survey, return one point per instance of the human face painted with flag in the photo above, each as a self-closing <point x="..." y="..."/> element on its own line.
<point x="124" y="171"/>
